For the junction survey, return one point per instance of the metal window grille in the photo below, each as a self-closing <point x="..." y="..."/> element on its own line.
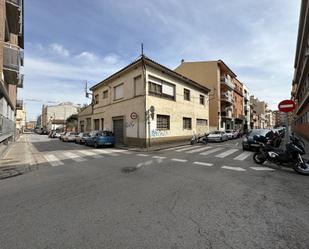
<point x="163" y="122"/>
<point x="187" y="123"/>
<point x="186" y="94"/>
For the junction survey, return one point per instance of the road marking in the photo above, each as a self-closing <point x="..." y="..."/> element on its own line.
<point x="120" y="151"/>
<point x="53" y="160"/>
<point x="262" y="168"/>
<point x="98" y="151"/>
<point x="179" y="160"/>
<point x="187" y="148"/>
<point x="159" y="157"/>
<point x="198" y="150"/>
<point x="233" y="168"/>
<point x="226" y="153"/>
<point x="211" y="151"/>
<point x="90" y="153"/>
<point x="178" y="147"/>
<point x="243" y="155"/>
<point x="204" y="164"/>
<point x="143" y="155"/>
<point x="74" y="157"/>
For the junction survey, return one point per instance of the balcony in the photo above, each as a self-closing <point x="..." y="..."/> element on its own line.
<point x="227" y="113"/>
<point x="7" y="127"/>
<point x="12" y="60"/>
<point x="225" y="81"/>
<point x="14" y="9"/>
<point x="227" y="98"/>
<point x="19" y="104"/>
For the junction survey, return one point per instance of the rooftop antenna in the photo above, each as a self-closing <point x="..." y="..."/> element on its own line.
<point x="86" y="89"/>
<point x="142" y="48"/>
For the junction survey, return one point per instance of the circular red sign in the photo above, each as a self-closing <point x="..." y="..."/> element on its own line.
<point x="133" y="115"/>
<point x="286" y="105"/>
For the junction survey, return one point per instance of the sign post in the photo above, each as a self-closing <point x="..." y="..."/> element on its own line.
<point x="287" y="106"/>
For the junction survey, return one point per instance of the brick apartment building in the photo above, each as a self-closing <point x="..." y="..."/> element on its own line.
<point x="11" y="59"/>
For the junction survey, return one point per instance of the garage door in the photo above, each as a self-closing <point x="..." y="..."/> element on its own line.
<point x="118" y="130"/>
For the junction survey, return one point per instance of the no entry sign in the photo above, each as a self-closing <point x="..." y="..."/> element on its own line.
<point x="286" y="105"/>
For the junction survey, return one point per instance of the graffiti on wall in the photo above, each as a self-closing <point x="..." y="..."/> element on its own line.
<point x="130" y="124"/>
<point x="159" y="133"/>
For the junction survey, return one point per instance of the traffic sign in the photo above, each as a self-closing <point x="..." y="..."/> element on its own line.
<point x="133" y="115"/>
<point x="286" y="105"/>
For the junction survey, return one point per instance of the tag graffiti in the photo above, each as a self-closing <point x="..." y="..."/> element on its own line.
<point x="158" y="133"/>
<point x="130" y="124"/>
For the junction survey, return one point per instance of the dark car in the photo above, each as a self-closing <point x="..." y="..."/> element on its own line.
<point x="100" y="138"/>
<point x="249" y="143"/>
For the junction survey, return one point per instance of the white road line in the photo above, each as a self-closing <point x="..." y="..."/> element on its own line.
<point x="233" y="168"/>
<point x="120" y="151"/>
<point x="226" y="153"/>
<point x="143" y="155"/>
<point x="198" y="150"/>
<point x="262" y="168"/>
<point x="53" y="160"/>
<point x="243" y="155"/>
<point x="210" y="151"/>
<point x="178" y="147"/>
<point x="97" y="151"/>
<point x="179" y="160"/>
<point x="90" y="153"/>
<point x="187" y="148"/>
<point x="74" y="157"/>
<point x="204" y="164"/>
<point x="158" y="157"/>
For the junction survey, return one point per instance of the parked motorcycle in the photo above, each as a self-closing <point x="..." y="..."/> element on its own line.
<point x="290" y="157"/>
<point x="199" y="139"/>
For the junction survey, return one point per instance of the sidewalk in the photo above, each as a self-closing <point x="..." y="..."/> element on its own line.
<point x="17" y="159"/>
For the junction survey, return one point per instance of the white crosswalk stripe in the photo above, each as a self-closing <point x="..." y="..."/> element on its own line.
<point x="204" y="164"/>
<point x="227" y="153"/>
<point x="105" y="152"/>
<point x="74" y="157"/>
<point x="90" y="153"/>
<point x="179" y="160"/>
<point x="262" y="168"/>
<point x="187" y="148"/>
<point x="243" y="155"/>
<point x="53" y="160"/>
<point x="142" y="155"/>
<point x="120" y="151"/>
<point x="233" y="168"/>
<point x="178" y="147"/>
<point x="211" y="151"/>
<point x="199" y="149"/>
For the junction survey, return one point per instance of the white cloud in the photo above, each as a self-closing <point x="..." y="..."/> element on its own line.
<point x="59" y="49"/>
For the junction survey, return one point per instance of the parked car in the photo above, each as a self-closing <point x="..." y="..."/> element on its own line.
<point x="56" y="134"/>
<point x="231" y="134"/>
<point x="100" y="138"/>
<point x="62" y="135"/>
<point x="69" y="137"/>
<point x="217" y="136"/>
<point x="80" y="138"/>
<point x="249" y="143"/>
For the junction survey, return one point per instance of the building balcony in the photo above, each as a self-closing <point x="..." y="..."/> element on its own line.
<point x="227" y="82"/>
<point x="12" y="60"/>
<point x="19" y="104"/>
<point x="20" y="83"/>
<point x="227" y="114"/>
<point x="227" y="98"/>
<point x="14" y="10"/>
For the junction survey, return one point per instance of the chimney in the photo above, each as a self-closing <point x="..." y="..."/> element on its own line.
<point x="182" y="61"/>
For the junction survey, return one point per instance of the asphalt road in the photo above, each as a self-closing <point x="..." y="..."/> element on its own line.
<point x="179" y="198"/>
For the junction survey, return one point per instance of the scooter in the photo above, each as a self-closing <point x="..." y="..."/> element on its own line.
<point x="199" y="139"/>
<point x="290" y="157"/>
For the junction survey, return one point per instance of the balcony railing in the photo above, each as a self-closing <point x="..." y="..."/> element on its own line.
<point x="227" y="82"/>
<point x="7" y="127"/>
<point x="226" y="114"/>
<point x="227" y="97"/>
<point x="20" y="83"/>
<point x="17" y="3"/>
<point x="19" y="104"/>
<point x="12" y="57"/>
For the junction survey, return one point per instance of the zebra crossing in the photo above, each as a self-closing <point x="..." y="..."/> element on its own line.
<point x="216" y="151"/>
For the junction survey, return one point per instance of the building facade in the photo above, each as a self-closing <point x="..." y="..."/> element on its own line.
<point x="259" y="111"/>
<point x="226" y="102"/>
<point x="11" y="59"/>
<point x="147" y="104"/>
<point x="54" y="116"/>
<point x="300" y="85"/>
<point x="247" y="114"/>
<point x="21" y="119"/>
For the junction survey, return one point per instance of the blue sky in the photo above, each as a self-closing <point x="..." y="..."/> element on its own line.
<point x="68" y="42"/>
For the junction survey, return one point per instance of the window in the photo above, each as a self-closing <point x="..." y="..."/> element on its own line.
<point x="96" y="99"/>
<point x="82" y="125"/>
<point x="105" y="94"/>
<point x="118" y="92"/>
<point x="161" y="88"/>
<point x="138" y="86"/>
<point x="163" y="122"/>
<point x="202" y="99"/>
<point x="88" y="124"/>
<point x="201" y="122"/>
<point x="187" y="123"/>
<point x="102" y="124"/>
<point x="186" y="94"/>
<point x="96" y="124"/>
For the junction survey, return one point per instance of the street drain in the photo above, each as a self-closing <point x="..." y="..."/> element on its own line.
<point x="128" y="169"/>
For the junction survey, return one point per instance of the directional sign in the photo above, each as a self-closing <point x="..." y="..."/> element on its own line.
<point x="286" y="105"/>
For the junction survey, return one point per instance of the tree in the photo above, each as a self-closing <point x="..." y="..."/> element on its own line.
<point x="72" y="122"/>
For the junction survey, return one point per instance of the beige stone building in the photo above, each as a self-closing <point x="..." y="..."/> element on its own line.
<point x="147" y="104"/>
<point x="259" y="108"/>
<point x="21" y="118"/>
<point x="217" y="76"/>
<point x="11" y="59"/>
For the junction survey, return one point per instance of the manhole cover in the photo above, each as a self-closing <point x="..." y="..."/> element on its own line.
<point x="128" y="169"/>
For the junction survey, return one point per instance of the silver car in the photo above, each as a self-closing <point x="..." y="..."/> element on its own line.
<point x="217" y="136"/>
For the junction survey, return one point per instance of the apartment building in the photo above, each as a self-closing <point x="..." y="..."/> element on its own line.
<point x="11" y="59"/>
<point x="247" y="114"/>
<point x="279" y="118"/>
<point x="55" y="116"/>
<point x="300" y="85"/>
<point x="217" y="76"/>
<point x="238" y="105"/>
<point x="259" y="109"/>
<point x="269" y="119"/>
<point x="21" y="118"/>
<point x="147" y="104"/>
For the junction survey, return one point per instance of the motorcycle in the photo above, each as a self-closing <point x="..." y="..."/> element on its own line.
<point x="290" y="157"/>
<point x="199" y="139"/>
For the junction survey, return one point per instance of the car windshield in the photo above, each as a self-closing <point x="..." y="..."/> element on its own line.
<point x="229" y="131"/>
<point x="216" y="132"/>
<point x="258" y="132"/>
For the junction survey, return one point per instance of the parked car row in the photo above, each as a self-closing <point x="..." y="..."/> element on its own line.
<point x="96" y="138"/>
<point x="220" y="136"/>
